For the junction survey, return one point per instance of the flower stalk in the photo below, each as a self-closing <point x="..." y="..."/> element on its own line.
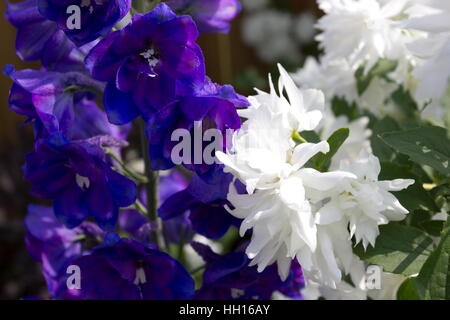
<point x="151" y="189"/>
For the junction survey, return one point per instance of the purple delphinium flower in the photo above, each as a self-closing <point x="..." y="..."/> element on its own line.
<point x="41" y="39"/>
<point x="79" y="180"/>
<point x="211" y="15"/>
<point x="60" y="102"/>
<point x="97" y="17"/>
<point x="230" y="277"/>
<point x="212" y="105"/>
<point x="205" y="204"/>
<point x="53" y="245"/>
<point x="124" y="269"/>
<point x="147" y="63"/>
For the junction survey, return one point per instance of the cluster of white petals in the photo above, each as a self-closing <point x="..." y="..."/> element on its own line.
<point x="276" y="35"/>
<point x="431" y="18"/>
<point x="362" y="31"/>
<point x="294" y="210"/>
<point x="359" y="33"/>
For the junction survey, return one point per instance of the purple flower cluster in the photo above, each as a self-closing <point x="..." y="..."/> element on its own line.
<point x="97" y="77"/>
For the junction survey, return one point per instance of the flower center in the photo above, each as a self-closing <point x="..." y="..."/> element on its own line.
<point x="237" y="293"/>
<point x="151" y="56"/>
<point x="140" y="277"/>
<point x="82" y="182"/>
<point x="87" y="3"/>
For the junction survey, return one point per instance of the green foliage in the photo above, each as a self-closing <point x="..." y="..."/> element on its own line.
<point x="433" y="282"/>
<point x="441" y="195"/>
<point x="248" y="79"/>
<point x="379" y="147"/>
<point x="310" y="136"/>
<point x="433" y="227"/>
<point x="425" y="145"/>
<point x="322" y="161"/>
<point x="402" y="98"/>
<point x="399" y="249"/>
<point x="413" y="198"/>
<point x="407" y="291"/>
<point x="381" y="69"/>
<point x="341" y="107"/>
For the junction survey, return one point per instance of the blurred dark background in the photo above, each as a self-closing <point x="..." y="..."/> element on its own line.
<point x="229" y="60"/>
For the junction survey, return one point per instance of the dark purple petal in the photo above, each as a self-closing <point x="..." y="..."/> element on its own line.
<point x="70" y="207"/>
<point x="211" y="221"/>
<point x="101" y="205"/>
<point x="119" y="106"/>
<point x="211" y="15"/>
<point x="122" y="189"/>
<point x="131" y="221"/>
<point x="209" y="193"/>
<point x="97" y="18"/>
<point x="176" y="205"/>
<point x="182" y="30"/>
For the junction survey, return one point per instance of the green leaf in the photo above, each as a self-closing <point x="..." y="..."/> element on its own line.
<point x="341" y="107"/>
<point x="381" y="69"/>
<point x="441" y="195"/>
<point x="322" y="161"/>
<point x="403" y="99"/>
<point x="413" y="198"/>
<point x="399" y="249"/>
<point x="408" y="291"/>
<point x="433" y="282"/>
<point x="310" y="136"/>
<point x="433" y="227"/>
<point x="426" y="145"/>
<point x="248" y="79"/>
<point x="380" y="148"/>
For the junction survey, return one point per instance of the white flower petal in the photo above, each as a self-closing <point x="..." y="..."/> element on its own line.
<point x="305" y="151"/>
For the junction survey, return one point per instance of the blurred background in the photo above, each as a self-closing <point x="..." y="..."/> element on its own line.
<point x="265" y="33"/>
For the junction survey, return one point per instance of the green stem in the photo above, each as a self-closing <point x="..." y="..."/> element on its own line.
<point x="151" y="189"/>
<point x="198" y="269"/>
<point x="139" y="5"/>
<point x="298" y="138"/>
<point x="137" y="177"/>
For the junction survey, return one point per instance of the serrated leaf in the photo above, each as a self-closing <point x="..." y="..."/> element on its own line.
<point x="427" y="146"/>
<point x="433" y="282"/>
<point x="322" y="161"/>
<point x="399" y="249"/>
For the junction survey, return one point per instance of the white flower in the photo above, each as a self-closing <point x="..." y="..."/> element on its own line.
<point x="304" y="27"/>
<point x="365" y="201"/>
<point x="389" y="285"/>
<point x="301" y="110"/>
<point x="333" y="253"/>
<point x="279" y="207"/>
<point x="335" y="78"/>
<point x="294" y="211"/>
<point x="314" y="289"/>
<point x="361" y="31"/>
<point x="377" y="98"/>
<point x="432" y="49"/>
<point x="270" y="33"/>
<point x="284" y="227"/>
